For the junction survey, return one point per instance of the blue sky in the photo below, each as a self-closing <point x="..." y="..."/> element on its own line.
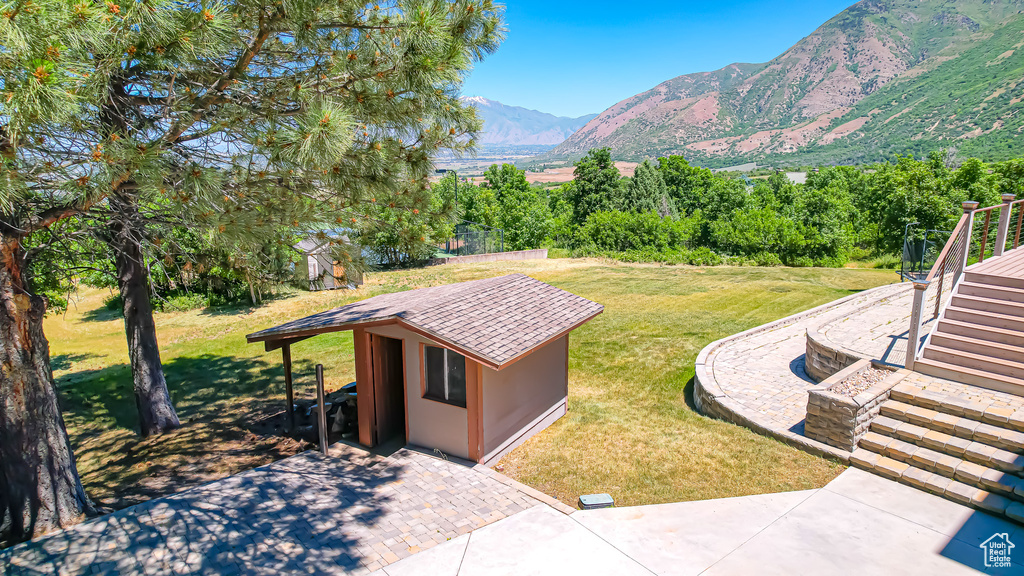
<point x="571" y="58"/>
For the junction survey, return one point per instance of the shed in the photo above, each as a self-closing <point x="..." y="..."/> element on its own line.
<point x="472" y="369"/>
<point x="320" y="268"/>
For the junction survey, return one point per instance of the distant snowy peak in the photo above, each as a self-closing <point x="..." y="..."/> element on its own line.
<point x="515" y="126"/>
<point x="478" y="101"/>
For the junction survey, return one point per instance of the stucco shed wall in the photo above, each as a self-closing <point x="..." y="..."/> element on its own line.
<point x="524" y="398"/>
<point x="431" y="424"/>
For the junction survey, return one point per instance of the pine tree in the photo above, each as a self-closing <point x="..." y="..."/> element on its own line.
<point x="645" y="191"/>
<point x="233" y="117"/>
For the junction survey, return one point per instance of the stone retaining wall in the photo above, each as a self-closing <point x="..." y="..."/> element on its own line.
<point x="839" y="420"/>
<point x="823" y="360"/>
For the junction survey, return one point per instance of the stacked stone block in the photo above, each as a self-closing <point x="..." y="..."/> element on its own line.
<point x="839" y="420"/>
<point x="822" y="361"/>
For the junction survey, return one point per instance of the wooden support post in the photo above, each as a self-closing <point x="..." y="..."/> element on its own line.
<point x="286" y="353"/>
<point x="1004" y="225"/>
<point x="364" y="386"/>
<point x="914" y="337"/>
<point x="969" y="208"/>
<point x="321" y="416"/>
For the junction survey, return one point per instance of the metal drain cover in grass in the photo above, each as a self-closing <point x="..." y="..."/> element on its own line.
<point x="595" y="501"/>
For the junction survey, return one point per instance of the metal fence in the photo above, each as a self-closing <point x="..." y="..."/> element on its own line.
<point x="921" y="249"/>
<point x="474" y="238"/>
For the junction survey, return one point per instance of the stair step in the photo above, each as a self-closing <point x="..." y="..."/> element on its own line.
<point x="949" y="445"/>
<point x="982" y="362"/>
<point x="970" y="376"/>
<point x="972" y="473"/>
<point x="981" y="318"/>
<point x="979" y="332"/>
<point x="1002" y="416"/>
<point x="984" y="304"/>
<point x="993" y="280"/>
<point x="976" y="346"/>
<point x="964" y="428"/>
<point x="936" y="483"/>
<point x="1004" y="293"/>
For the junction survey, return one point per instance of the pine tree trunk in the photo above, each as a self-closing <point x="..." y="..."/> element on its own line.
<point x="40" y="490"/>
<point x="156" y="412"/>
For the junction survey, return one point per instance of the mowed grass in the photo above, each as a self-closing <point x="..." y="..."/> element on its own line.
<point x="631" y="429"/>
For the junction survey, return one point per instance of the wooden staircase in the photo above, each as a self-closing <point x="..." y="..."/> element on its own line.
<point x="979" y="339"/>
<point x="960" y="451"/>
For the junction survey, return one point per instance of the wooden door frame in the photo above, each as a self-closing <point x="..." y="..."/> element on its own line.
<point x="367" y="386"/>
<point x="475" y="409"/>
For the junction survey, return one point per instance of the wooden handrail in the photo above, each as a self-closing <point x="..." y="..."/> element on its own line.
<point x="949" y="244"/>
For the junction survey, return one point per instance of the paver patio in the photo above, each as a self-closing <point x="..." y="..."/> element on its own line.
<point x="761" y="372"/>
<point x="350" y="512"/>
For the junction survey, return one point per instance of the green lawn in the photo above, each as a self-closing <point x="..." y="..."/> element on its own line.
<point x="631" y="430"/>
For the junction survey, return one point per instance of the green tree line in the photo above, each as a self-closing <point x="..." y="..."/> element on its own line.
<point x="672" y="211"/>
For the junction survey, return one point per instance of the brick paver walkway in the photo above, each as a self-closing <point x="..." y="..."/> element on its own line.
<point x="764" y="371"/>
<point x="879" y="331"/>
<point x="350" y="512"/>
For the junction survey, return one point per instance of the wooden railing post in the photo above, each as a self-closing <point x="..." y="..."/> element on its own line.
<point x="914" y="335"/>
<point x="969" y="208"/>
<point x="286" y="353"/>
<point x="1004" y="225"/>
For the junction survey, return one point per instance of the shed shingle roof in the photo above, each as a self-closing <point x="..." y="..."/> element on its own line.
<point x="497" y="319"/>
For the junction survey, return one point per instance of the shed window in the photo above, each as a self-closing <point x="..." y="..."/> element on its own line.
<point x="446" y="376"/>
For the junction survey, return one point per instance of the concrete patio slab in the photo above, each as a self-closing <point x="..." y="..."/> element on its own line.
<point x="538" y="541"/>
<point x="542" y="541"/>
<point x="443" y="560"/>
<point x="688" y="537"/>
<point x="938" y="514"/>
<point x="859" y="523"/>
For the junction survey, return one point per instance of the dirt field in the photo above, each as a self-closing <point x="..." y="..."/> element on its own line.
<point x="564" y="174"/>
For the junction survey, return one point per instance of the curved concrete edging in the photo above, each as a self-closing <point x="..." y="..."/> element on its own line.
<point x="711" y="400"/>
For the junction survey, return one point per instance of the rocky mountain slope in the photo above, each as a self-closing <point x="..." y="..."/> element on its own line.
<point x="882" y="77"/>
<point x="516" y="126"/>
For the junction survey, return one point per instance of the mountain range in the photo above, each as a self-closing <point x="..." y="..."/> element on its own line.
<point x="882" y="77"/>
<point x="515" y="126"/>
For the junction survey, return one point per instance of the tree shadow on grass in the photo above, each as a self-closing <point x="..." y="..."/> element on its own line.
<point x="218" y="398"/>
<point x="102" y="314"/>
<point x="65" y="361"/>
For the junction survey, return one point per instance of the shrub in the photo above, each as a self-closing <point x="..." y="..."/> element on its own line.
<point x="887" y="261"/>
<point x="183" y="303"/>
<point x="703" y="256"/>
<point x="114" y="303"/>
<point x="625" y="231"/>
<point x="766" y="259"/>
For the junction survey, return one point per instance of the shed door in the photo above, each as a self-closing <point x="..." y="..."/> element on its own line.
<point x="388" y="388"/>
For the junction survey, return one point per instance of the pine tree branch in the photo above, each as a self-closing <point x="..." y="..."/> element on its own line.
<point x="214" y="95"/>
